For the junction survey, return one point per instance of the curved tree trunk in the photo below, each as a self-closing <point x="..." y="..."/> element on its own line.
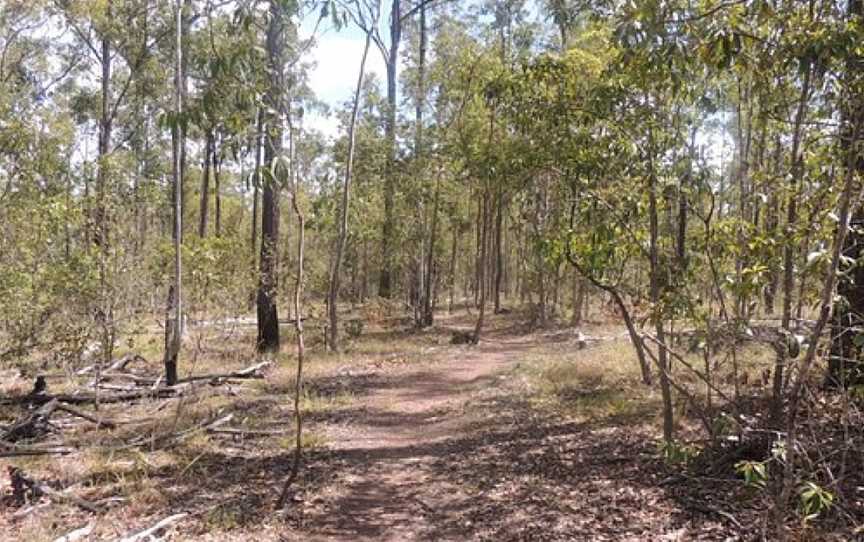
<point x="335" y="265"/>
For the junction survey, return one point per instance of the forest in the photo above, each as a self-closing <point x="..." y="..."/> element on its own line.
<point x="499" y="270"/>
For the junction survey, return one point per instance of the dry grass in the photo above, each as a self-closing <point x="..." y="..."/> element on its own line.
<point x="145" y="482"/>
<point x="600" y="383"/>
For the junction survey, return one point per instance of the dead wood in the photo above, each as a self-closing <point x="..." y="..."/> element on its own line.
<point x="26" y="489"/>
<point x="33" y="425"/>
<point x="150" y="532"/>
<point x="249" y="372"/>
<point x="38" y="423"/>
<point x="77" y="534"/>
<point x="246" y="432"/>
<point x="116" y="365"/>
<point x="90" y="398"/>
<point x="19" y="450"/>
<point x="461" y="337"/>
<point x="126" y="394"/>
<point x="164" y="439"/>
<point x="706" y="508"/>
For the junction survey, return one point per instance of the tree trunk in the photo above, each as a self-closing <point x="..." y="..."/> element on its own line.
<point x="428" y="301"/>
<point x="217" y="188"/>
<point x="173" y="327"/>
<point x="478" y="327"/>
<point x="772" y="222"/>
<point x="268" y="318"/>
<point x="578" y="300"/>
<point x="333" y="290"/>
<point x="499" y="254"/>
<point x="301" y="348"/>
<point x="655" y="292"/>
<point x="204" y="207"/>
<point x="789" y="247"/>
<point x="845" y="366"/>
<point x="392" y="61"/>
<point x="452" y="284"/>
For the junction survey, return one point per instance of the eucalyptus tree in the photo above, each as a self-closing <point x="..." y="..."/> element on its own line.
<point x="174" y="320"/>
<point x="368" y="10"/>
<point x="274" y="174"/>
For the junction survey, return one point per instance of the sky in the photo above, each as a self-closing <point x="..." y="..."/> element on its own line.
<point x="337" y="58"/>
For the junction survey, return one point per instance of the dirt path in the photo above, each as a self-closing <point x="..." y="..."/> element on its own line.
<point x="391" y="488"/>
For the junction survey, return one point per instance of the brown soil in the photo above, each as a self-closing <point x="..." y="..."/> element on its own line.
<point x="450" y="452"/>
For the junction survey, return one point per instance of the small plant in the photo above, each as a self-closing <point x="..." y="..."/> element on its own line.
<point x="814" y="500"/>
<point x="354" y="328"/>
<point x="755" y="473"/>
<point x="676" y="453"/>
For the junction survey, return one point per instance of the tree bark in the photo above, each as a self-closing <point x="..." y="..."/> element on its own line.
<point x="499" y="253"/>
<point x="484" y="227"/>
<point x="789" y="246"/>
<point x="845" y="366"/>
<point x="268" y="318"/>
<point x="428" y="300"/>
<point x="173" y="327"/>
<point x="655" y="293"/>
<point x="204" y="207"/>
<point x="217" y="188"/>
<point x="335" y="265"/>
<point x="385" y="285"/>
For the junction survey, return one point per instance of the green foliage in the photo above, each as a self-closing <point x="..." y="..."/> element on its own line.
<point x="755" y="473"/>
<point x="814" y="500"/>
<point x="678" y="453"/>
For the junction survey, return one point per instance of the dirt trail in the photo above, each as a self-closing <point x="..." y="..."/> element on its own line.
<point x="390" y="489"/>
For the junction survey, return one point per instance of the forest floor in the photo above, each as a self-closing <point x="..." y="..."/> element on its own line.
<point x="526" y="436"/>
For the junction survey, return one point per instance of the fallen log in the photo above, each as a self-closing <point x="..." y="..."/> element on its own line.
<point x="39" y="422"/>
<point x="35" y="424"/>
<point x="90" y="398"/>
<point x="156" y="392"/>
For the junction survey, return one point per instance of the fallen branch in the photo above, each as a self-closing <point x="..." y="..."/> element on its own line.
<point x="33" y="425"/>
<point x="90" y="398"/>
<point x="24" y="512"/>
<point x="38" y="422"/>
<point x="174" y="437"/>
<point x="246" y="432"/>
<point x="250" y="372"/>
<point x="126" y="394"/>
<point x="709" y="509"/>
<point x="24" y="486"/>
<point x="90" y="418"/>
<point x="116" y="365"/>
<point x="147" y="533"/>
<point x="17" y="450"/>
<point x="77" y="534"/>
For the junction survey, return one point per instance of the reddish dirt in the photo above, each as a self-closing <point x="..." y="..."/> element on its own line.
<point x="448" y="452"/>
<point x="389" y="493"/>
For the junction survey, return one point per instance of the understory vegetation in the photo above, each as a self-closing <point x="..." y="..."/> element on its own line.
<point x="536" y="269"/>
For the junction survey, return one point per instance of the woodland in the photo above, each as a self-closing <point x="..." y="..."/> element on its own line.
<point x="550" y="270"/>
